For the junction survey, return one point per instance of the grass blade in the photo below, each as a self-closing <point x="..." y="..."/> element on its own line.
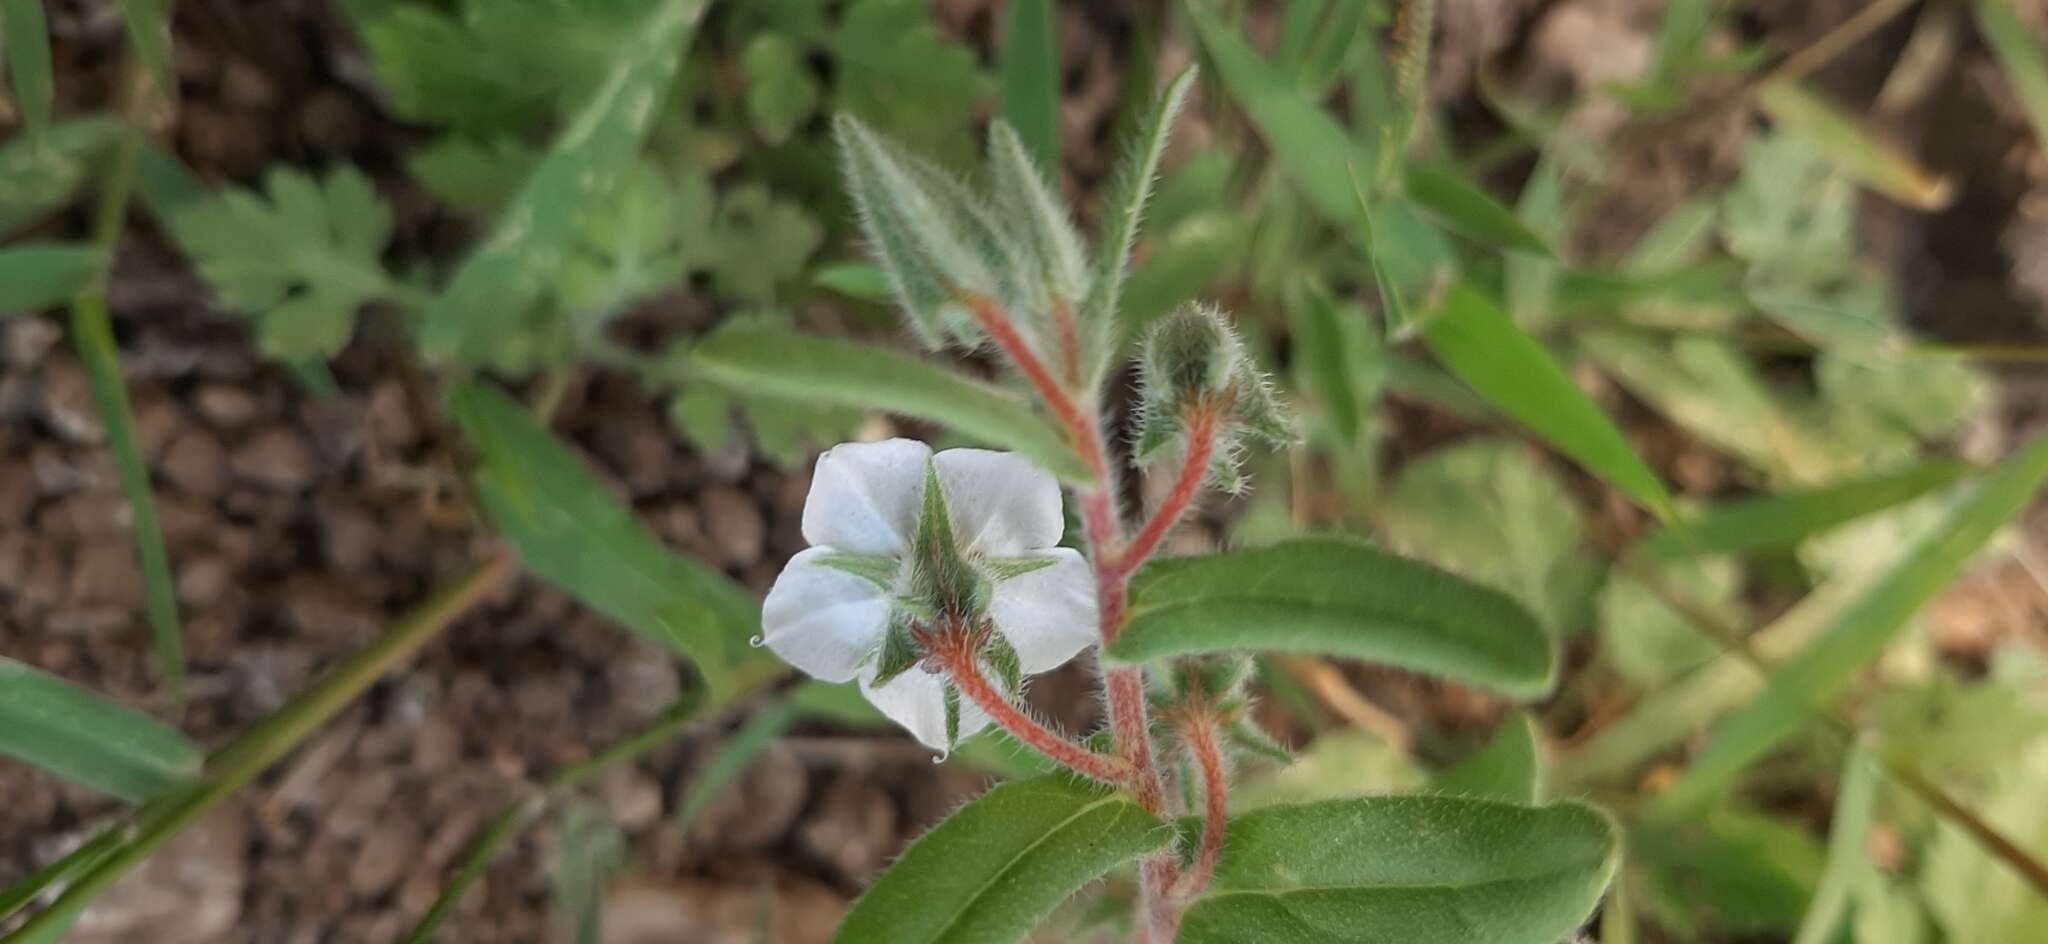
<point x="36" y="276"/>
<point x="1855" y="804"/>
<point x="149" y="32"/>
<point x="1860" y="633"/>
<point x="89" y="740"/>
<point x="1781" y="519"/>
<point x="1030" y="98"/>
<point x="1506" y="767"/>
<point x="1469" y="210"/>
<point x="28" y="61"/>
<point x="2025" y="62"/>
<point x="1480" y="344"/>
<point x="1853" y="148"/>
<point x="770" y="361"/>
<point x="732" y="759"/>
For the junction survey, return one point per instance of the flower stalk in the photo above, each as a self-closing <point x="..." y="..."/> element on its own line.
<point x="967" y="676"/>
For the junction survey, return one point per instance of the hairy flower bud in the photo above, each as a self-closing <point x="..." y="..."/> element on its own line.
<point x="1195" y="369"/>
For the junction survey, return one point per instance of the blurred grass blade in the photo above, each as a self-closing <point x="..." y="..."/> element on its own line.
<point x="1854" y="149"/>
<point x="1529" y="284"/>
<point x="1680" y="34"/>
<point x="1310" y="145"/>
<point x="1030" y="97"/>
<point x="89" y="740"/>
<point x="1859" y="634"/>
<point x="1322" y="63"/>
<point x="2025" y="62"/>
<point x="774" y="362"/>
<point x="1855" y="803"/>
<point x="1506" y="767"/>
<point x="92" y="332"/>
<point x="1468" y="210"/>
<point x="732" y="759"/>
<point x="1414" y="27"/>
<point x="1124" y="209"/>
<point x="506" y="275"/>
<point x="28" y="61"/>
<point x="1480" y="344"/>
<point x="1319" y="335"/>
<point x="1392" y="304"/>
<point x="36" y="276"/>
<point x="1781" y="519"/>
<point x="571" y="532"/>
<point x="149" y="32"/>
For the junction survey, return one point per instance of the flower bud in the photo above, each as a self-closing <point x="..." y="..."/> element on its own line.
<point x="1195" y="370"/>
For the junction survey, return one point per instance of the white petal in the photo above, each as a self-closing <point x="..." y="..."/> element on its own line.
<point x="1000" y="504"/>
<point x="1049" y="613"/>
<point x="865" y="496"/>
<point x="821" y="620"/>
<point x="917" y="701"/>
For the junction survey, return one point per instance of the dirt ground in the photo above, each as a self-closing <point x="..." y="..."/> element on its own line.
<point x="298" y="526"/>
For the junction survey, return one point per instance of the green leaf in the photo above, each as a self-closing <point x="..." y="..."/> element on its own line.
<point x="472" y="175"/>
<point x="1414" y="869"/>
<point x="1855" y="805"/>
<point x="1480" y="344"/>
<point x="1124" y="209"/>
<point x="299" y="263"/>
<point x="2021" y="55"/>
<point x="1650" y="643"/>
<point x="1343" y="764"/>
<point x="759" y="243"/>
<point x="149" y="34"/>
<point x="861" y="281"/>
<point x="900" y="75"/>
<point x="28" y="61"/>
<point x="1030" y="205"/>
<point x="821" y="370"/>
<point x="35" y="276"/>
<point x="1320" y="330"/>
<point x="1504" y="768"/>
<point x="781" y="92"/>
<point x="1487" y="510"/>
<point x="1335" y="597"/>
<point x="1725" y="875"/>
<point x="572" y="533"/>
<point x="89" y="740"/>
<point x="1860" y="632"/>
<point x="1030" y="98"/>
<point x="1470" y="210"/>
<point x="503" y="278"/>
<point x="1784" y="518"/>
<point x="1310" y="145"/>
<point x="995" y="868"/>
<point x="1854" y="149"/>
<point x="39" y="175"/>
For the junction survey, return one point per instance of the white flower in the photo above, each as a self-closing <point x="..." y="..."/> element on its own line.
<point x="833" y="610"/>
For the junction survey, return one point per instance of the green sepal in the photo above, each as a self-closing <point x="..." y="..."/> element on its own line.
<point x="1001" y="658"/>
<point x="1006" y="568"/>
<point x="875" y="569"/>
<point x="897" y="655"/>
<point x="941" y="580"/>
<point x="952" y="699"/>
<point x="1247" y="736"/>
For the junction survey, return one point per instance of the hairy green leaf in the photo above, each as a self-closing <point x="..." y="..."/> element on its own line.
<point x="1470" y="210"/>
<point x="1029" y="204"/>
<point x="505" y="276"/>
<point x="1481" y="345"/>
<point x="821" y="370"/>
<point x="995" y="868"/>
<point x="1124" y="208"/>
<point x="1782" y="519"/>
<point x="1336" y="597"/>
<point x="1414" y="869"/>
<point x="1860" y="632"/>
<point x="89" y="740"/>
<point x="1504" y="768"/>
<point x="569" y="531"/>
<point x="28" y="61"/>
<point x="35" y="276"/>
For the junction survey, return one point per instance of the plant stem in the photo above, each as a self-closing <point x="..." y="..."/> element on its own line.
<point x="1194" y="467"/>
<point x="967" y="677"/>
<point x="1079" y="424"/>
<point x="516" y="817"/>
<point x="252" y="753"/>
<point x="1199" y="734"/>
<point x="14" y="896"/>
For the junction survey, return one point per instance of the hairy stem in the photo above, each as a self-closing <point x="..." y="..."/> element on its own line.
<point x="975" y="686"/>
<point x="1194" y="467"/>
<point x="1200" y="737"/>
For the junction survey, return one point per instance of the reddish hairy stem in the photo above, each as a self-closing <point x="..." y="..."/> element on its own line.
<point x="968" y="679"/>
<point x="1079" y="425"/>
<point x="1194" y="468"/>
<point x="1200" y="736"/>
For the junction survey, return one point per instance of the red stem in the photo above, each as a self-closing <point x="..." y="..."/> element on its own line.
<point x="1194" y="467"/>
<point x="1200" y="737"/>
<point x="968" y="679"/>
<point x="1078" y="424"/>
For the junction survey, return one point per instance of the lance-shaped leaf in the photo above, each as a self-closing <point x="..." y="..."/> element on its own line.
<point x="1414" y="869"/>
<point x="35" y="276"/>
<point x="89" y="740"/>
<point x="1861" y="631"/>
<point x="1479" y="343"/>
<point x="28" y="61"/>
<point x="2022" y="56"/>
<point x="569" y="531"/>
<point x="1336" y="597"/>
<point x="1466" y="209"/>
<point x="995" y="868"/>
<point x="1029" y="203"/>
<point x="1124" y="209"/>
<point x="511" y="271"/>
<point x="1781" y="519"/>
<point x="766" y="360"/>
